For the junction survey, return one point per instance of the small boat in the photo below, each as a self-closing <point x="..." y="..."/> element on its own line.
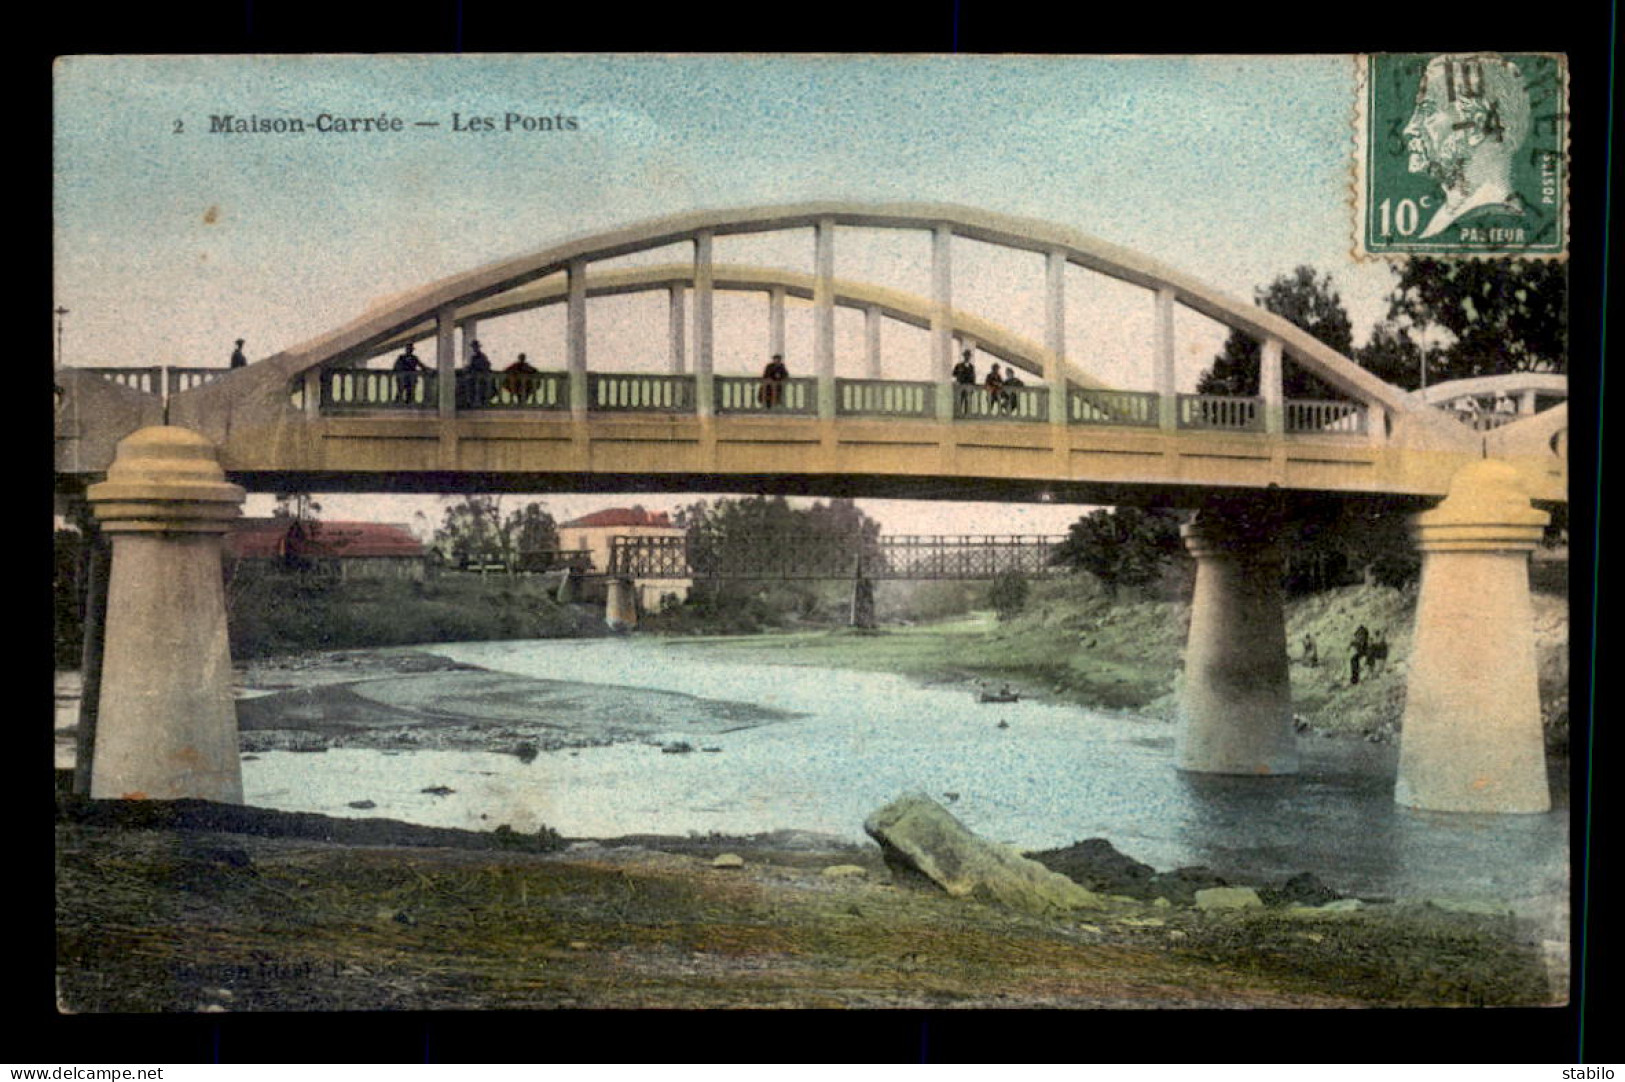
<point x="1003" y="695"/>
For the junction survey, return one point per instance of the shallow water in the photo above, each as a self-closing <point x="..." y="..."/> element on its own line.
<point x="1057" y="774"/>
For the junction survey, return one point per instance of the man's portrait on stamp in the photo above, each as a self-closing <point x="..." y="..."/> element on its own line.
<point x="1464" y="152"/>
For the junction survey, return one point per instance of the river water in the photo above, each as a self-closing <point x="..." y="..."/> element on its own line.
<point x="847" y="742"/>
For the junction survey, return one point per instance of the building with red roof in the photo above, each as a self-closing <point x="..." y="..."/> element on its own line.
<point x="342" y="549"/>
<point x="593" y="533"/>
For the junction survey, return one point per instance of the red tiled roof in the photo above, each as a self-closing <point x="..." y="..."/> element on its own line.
<point x="622" y="516"/>
<point x="263" y="538"/>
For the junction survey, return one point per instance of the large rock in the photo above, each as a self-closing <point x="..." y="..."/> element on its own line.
<point x="1097" y="865"/>
<point x="919" y="837"/>
<point x="1228" y="898"/>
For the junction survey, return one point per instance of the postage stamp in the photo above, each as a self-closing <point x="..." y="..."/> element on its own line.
<point x="1463" y="154"/>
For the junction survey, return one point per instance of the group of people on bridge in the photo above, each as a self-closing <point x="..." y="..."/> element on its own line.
<point x="477" y="383"/>
<point x="1000" y="388"/>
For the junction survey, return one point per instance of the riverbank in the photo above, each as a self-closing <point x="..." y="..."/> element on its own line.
<point x="196" y="918"/>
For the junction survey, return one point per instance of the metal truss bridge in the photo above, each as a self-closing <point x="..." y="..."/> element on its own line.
<point x="790" y="556"/>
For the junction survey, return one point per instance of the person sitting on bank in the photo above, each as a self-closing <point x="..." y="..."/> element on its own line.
<point x="237" y="358"/>
<point x="1311" y="653"/>
<point x="407" y="367"/>
<point x="517" y="383"/>
<point x="774" y="377"/>
<point x="964" y="383"/>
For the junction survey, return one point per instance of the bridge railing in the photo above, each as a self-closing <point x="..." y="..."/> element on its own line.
<point x="148" y="379"/>
<point x="1230" y="412"/>
<point x="885" y="398"/>
<point x="1020" y="403"/>
<point x="184" y="379"/>
<point x="1309" y="415"/>
<point x="513" y="390"/>
<point x="751" y="394"/>
<point x="1093" y="407"/>
<point x="633" y="391"/>
<point x="367" y="388"/>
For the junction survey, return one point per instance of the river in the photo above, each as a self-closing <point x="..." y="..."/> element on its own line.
<point x="839" y="744"/>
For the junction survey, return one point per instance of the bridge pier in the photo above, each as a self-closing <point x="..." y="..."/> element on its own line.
<point x="621" y="606"/>
<point x="166" y="721"/>
<point x="1472" y="738"/>
<point x="1236" y="703"/>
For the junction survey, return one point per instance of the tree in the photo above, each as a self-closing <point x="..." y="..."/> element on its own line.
<point x="1393" y="355"/>
<point x="1124" y="546"/>
<point x="299" y="509"/>
<point x="1502" y="316"/>
<point x="1008" y="594"/>
<point x="1309" y="301"/>
<point x="475" y="528"/>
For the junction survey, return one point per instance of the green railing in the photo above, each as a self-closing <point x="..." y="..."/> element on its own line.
<point x="1341" y="418"/>
<point x="750" y="394"/>
<point x="1139" y="409"/>
<point x="629" y="391"/>
<point x="1228" y="412"/>
<point x="885" y="398"/>
<point x="1019" y="403"/>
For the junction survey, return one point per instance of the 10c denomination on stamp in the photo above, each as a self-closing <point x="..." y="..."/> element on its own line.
<point x="1463" y="154"/>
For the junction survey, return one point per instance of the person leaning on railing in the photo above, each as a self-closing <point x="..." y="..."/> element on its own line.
<point x="517" y="382"/>
<point x="774" y="377"/>
<point x="1009" y="396"/>
<point x="407" y="367"/>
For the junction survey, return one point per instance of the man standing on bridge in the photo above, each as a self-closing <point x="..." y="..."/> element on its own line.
<point x="774" y="377"/>
<point x="237" y="358"/>
<point x="517" y="382"/>
<point x="964" y="382"/>
<point x="407" y="367"/>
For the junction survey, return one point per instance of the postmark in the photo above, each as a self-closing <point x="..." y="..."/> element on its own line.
<point x="1462" y="154"/>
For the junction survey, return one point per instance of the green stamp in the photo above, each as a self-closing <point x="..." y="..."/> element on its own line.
<point x="1463" y="154"/>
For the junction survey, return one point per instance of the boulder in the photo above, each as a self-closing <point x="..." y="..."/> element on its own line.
<point x="728" y="860"/>
<point x="919" y="838"/>
<point x="1303" y="889"/>
<point x="1097" y="865"/>
<point x="1180" y="885"/>
<point x="1228" y="898"/>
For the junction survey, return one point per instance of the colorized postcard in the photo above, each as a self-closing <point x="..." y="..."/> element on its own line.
<point x="708" y="531"/>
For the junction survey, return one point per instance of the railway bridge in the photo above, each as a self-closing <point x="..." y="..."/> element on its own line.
<point x="164" y="456"/>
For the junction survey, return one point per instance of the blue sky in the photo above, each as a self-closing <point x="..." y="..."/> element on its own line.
<point x="170" y="245"/>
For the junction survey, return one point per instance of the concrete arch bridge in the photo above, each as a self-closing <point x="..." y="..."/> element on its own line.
<point x="329" y="414"/>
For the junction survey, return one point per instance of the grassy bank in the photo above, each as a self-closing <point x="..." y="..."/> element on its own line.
<point x="276" y="614"/>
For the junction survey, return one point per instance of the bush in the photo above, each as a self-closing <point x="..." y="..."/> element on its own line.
<point x="1008" y="594"/>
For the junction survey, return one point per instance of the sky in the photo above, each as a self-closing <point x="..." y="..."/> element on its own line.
<point x="171" y="240"/>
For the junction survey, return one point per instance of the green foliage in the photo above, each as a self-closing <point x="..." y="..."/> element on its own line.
<point x="1502" y="315"/>
<point x="1122" y="547"/>
<point x="274" y="612"/>
<point x="1336" y="543"/>
<point x="1307" y="300"/>
<point x="475" y="529"/>
<point x="1008" y="594"/>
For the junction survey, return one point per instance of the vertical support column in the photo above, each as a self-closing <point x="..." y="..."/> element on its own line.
<point x="1055" y="334"/>
<point x="313" y="392"/>
<point x="704" y="385"/>
<point x="1162" y="360"/>
<point x="471" y="334"/>
<point x="871" y="341"/>
<point x="824" y="315"/>
<point x="1376" y="420"/>
<point x="1472" y="738"/>
<point x="1526" y="402"/>
<point x="1270" y="386"/>
<point x="166" y="722"/>
<point x="575" y="336"/>
<point x="621" y="609"/>
<point x="942" y="300"/>
<point x="1236" y="702"/>
<point x="775" y="322"/>
<point x="676" y="343"/>
<point x="445" y="359"/>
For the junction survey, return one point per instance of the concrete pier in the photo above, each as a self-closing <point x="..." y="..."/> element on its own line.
<point x="1236" y="702"/>
<point x="166" y="720"/>
<point x="1472" y="739"/>
<point x="621" y="606"/>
